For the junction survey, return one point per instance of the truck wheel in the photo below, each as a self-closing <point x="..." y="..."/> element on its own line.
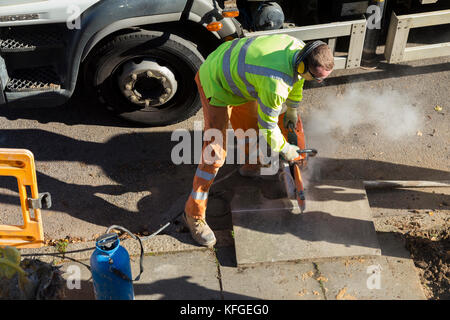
<point x="147" y="77"/>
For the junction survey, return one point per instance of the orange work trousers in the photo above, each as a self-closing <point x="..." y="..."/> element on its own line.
<point x="214" y="152"/>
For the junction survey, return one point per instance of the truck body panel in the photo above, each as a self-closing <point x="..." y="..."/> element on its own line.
<point x="87" y="23"/>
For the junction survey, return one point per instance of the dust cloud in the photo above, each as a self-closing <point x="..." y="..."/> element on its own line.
<point x="388" y="113"/>
<point x="357" y="115"/>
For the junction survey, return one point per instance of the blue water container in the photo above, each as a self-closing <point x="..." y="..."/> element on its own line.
<point x="111" y="269"/>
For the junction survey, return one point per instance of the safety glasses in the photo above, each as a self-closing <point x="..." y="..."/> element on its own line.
<point x="316" y="78"/>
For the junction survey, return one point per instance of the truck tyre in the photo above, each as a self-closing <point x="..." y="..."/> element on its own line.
<point x="146" y="77"/>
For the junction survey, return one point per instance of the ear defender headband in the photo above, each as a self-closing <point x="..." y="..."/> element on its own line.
<point x="304" y="53"/>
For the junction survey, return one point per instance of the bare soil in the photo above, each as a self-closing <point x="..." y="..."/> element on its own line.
<point x="430" y="251"/>
<point x="424" y="230"/>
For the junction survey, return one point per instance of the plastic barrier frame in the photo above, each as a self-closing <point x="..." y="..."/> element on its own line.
<point x="19" y="163"/>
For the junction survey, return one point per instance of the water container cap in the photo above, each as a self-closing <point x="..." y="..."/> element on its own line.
<point x="108" y="242"/>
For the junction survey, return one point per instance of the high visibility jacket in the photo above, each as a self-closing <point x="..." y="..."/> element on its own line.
<point x="260" y="68"/>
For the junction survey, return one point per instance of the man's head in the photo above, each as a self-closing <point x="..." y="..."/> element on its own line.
<point x="318" y="64"/>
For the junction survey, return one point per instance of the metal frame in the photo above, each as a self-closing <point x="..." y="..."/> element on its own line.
<point x="397" y="38"/>
<point x="356" y="29"/>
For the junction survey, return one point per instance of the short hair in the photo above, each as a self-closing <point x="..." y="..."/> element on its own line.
<point x="321" y="57"/>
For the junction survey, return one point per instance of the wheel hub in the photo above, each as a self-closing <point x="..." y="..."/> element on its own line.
<point x="147" y="83"/>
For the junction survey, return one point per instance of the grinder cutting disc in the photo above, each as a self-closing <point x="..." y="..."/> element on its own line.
<point x="299" y="187"/>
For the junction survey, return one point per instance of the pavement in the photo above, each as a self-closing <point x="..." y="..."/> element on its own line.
<point x="175" y="268"/>
<point x="102" y="172"/>
<point x="336" y="222"/>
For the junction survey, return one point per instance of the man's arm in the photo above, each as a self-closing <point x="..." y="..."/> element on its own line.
<point x="292" y="103"/>
<point x="269" y="109"/>
<point x="296" y="94"/>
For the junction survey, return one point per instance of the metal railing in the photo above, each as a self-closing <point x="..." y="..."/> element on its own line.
<point x="356" y="29"/>
<point x="396" y="50"/>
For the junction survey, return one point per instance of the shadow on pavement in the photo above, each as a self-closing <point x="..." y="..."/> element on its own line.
<point x="179" y="288"/>
<point x="182" y="289"/>
<point x="141" y="163"/>
<point x="80" y="109"/>
<point x="383" y="71"/>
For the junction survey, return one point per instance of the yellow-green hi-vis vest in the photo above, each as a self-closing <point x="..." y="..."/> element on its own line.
<point x="260" y="68"/>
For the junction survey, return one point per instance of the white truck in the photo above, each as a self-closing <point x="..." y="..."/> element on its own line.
<point x="139" y="57"/>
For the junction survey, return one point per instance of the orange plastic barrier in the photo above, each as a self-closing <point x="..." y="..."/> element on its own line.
<point x="19" y="163"/>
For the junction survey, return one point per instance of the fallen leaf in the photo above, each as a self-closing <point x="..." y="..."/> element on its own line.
<point x="302" y="293"/>
<point x="316" y="293"/>
<point x="438" y="108"/>
<point x="419" y="133"/>
<point x="342" y="295"/>
<point x="322" y="278"/>
<point x="306" y="275"/>
<point x="430" y="213"/>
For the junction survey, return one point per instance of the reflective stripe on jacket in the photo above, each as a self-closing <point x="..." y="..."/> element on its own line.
<point x="260" y="68"/>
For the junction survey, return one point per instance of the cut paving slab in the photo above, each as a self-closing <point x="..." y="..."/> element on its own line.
<point x="337" y="223"/>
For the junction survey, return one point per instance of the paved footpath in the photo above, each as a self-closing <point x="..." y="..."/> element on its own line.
<point x="176" y="269"/>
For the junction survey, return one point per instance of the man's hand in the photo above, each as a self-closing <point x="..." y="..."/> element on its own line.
<point x="289" y="152"/>
<point x="290" y="118"/>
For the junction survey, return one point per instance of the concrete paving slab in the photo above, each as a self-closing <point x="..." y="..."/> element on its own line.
<point x="337" y="223"/>
<point x="388" y="277"/>
<point x="275" y="281"/>
<point x="186" y="275"/>
<point x="206" y="275"/>
<point x="406" y="281"/>
<point x="179" y="276"/>
<point x="78" y="279"/>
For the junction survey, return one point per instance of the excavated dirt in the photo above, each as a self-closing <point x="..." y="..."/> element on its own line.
<point x="425" y="231"/>
<point x="430" y="251"/>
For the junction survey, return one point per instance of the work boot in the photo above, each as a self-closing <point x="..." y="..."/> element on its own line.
<point x="200" y="231"/>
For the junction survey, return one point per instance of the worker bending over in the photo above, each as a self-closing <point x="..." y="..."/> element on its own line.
<point x="246" y="81"/>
